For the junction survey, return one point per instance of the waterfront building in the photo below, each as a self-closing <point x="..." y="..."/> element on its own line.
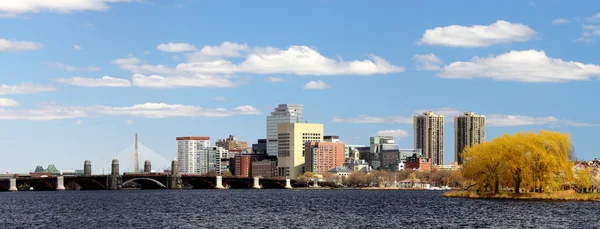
<point x="452" y="166"/>
<point x="355" y="163"/>
<point x="243" y="166"/>
<point x="417" y="163"/>
<point x="429" y="136"/>
<point x="291" y="142"/>
<point x="264" y="169"/>
<point x="378" y="145"/>
<point x="191" y="153"/>
<point x="232" y="144"/>
<point x="283" y="114"/>
<point x="320" y="157"/>
<point x="469" y="130"/>
<point x="341" y="171"/>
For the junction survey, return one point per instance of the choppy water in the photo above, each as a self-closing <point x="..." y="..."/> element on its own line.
<point x="283" y="209"/>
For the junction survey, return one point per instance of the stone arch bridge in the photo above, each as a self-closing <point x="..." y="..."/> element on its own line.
<point x="142" y="180"/>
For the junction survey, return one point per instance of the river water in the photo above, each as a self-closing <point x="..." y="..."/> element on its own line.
<point x="284" y="209"/>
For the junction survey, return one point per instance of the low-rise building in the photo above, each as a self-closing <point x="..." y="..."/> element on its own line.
<point x="264" y="168"/>
<point x="418" y="163"/>
<point x="341" y="171"/>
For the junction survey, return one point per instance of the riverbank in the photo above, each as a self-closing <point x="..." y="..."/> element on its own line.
<point x="561" y="195"/>
<point x="358" y="188"/>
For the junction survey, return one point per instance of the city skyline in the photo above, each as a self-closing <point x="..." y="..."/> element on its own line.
<point x="78" y="81"/>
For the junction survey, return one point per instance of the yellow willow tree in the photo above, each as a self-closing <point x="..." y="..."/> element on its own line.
<point x="483" y="164"/>
<point x="516" y="150"/>
<point x="549" y="160"/>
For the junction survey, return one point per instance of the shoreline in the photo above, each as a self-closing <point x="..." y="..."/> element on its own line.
<point x="569" y="195"/>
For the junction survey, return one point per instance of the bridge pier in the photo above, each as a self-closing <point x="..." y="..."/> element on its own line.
<point x="60" y="183"/>
<point x="219" y="183"/>
<point x="115" y="181"/>
<point x="288" y="183"/>
<point x="13" y="185"/>
<point x="256" y="183"/>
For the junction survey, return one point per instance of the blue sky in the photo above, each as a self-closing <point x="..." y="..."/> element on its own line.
<point x="79" y="77"/>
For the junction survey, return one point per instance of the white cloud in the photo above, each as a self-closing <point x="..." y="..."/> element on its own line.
<point x="6" y="102"/>
<point x="560" y="21"/>
<point x="595" y="17"/>
<point x="129" y="122"/>
<point x="14" y="45"/>
<point x="78" y="122"/>
<point x="316" y="85"/>
<point x="213" y="69"/>
<point x="590" y="32"/>
<point x="366" y="119"/>
<point x="493" y="120"/>
<point x="427" y="62"/>
<point x="156" y="81"/>
<point x="393" y="133"/>
<point x="501" y="32"/>
<point x="298" y="60"/>
<point x="176" y="47"/>
<point x="24" y="88"/>
<point x="70" y="68"/>
<point x="77" y="47"/>
<point x="13" y="8"/>
<point x="219" y="98"/>
<point x="526" y="66"/>
<point x="105" y="81"/>
<point x="146" y="110"/>
<point x="519" y="120"/>
<point x="225" y="49"/>
<point x="275" y="79"/>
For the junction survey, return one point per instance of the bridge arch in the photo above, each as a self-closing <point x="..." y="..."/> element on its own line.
<point x="199" y="183"/>
<point x="85" y="184"/>
<point x="37" y="185"/>
<point x="237" y="184"/>
<point x="146" y="183"/>
<point x="272" y="185"/>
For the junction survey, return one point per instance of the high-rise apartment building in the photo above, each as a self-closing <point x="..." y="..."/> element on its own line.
<point x="291" y="140"/>
<point x="429" y="136"/>
<point x="283" y="114"/>
<point x="232" y="144"/>
<point x="190" y="150"/>
<point x="469" y="130"/>
<point x="320" y="157"/>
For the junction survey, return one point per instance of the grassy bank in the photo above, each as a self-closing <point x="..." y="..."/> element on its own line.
<point x="561" y="195"/>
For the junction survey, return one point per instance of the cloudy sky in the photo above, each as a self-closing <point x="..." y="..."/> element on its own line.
<point x="79" y="77"/>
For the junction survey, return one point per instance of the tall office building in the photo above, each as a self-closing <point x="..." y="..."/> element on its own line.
<point x="291" y="142"/>
<point x="283" y="114"/>
<point x="429" y="136"/>
<point x="469" y="130"/>
<point x="191" y="151"/>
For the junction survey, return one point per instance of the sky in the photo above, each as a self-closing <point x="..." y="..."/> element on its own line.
<point x="78" y="78"/>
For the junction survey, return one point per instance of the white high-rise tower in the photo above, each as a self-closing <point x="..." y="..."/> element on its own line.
<point x="283" y="114"/>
